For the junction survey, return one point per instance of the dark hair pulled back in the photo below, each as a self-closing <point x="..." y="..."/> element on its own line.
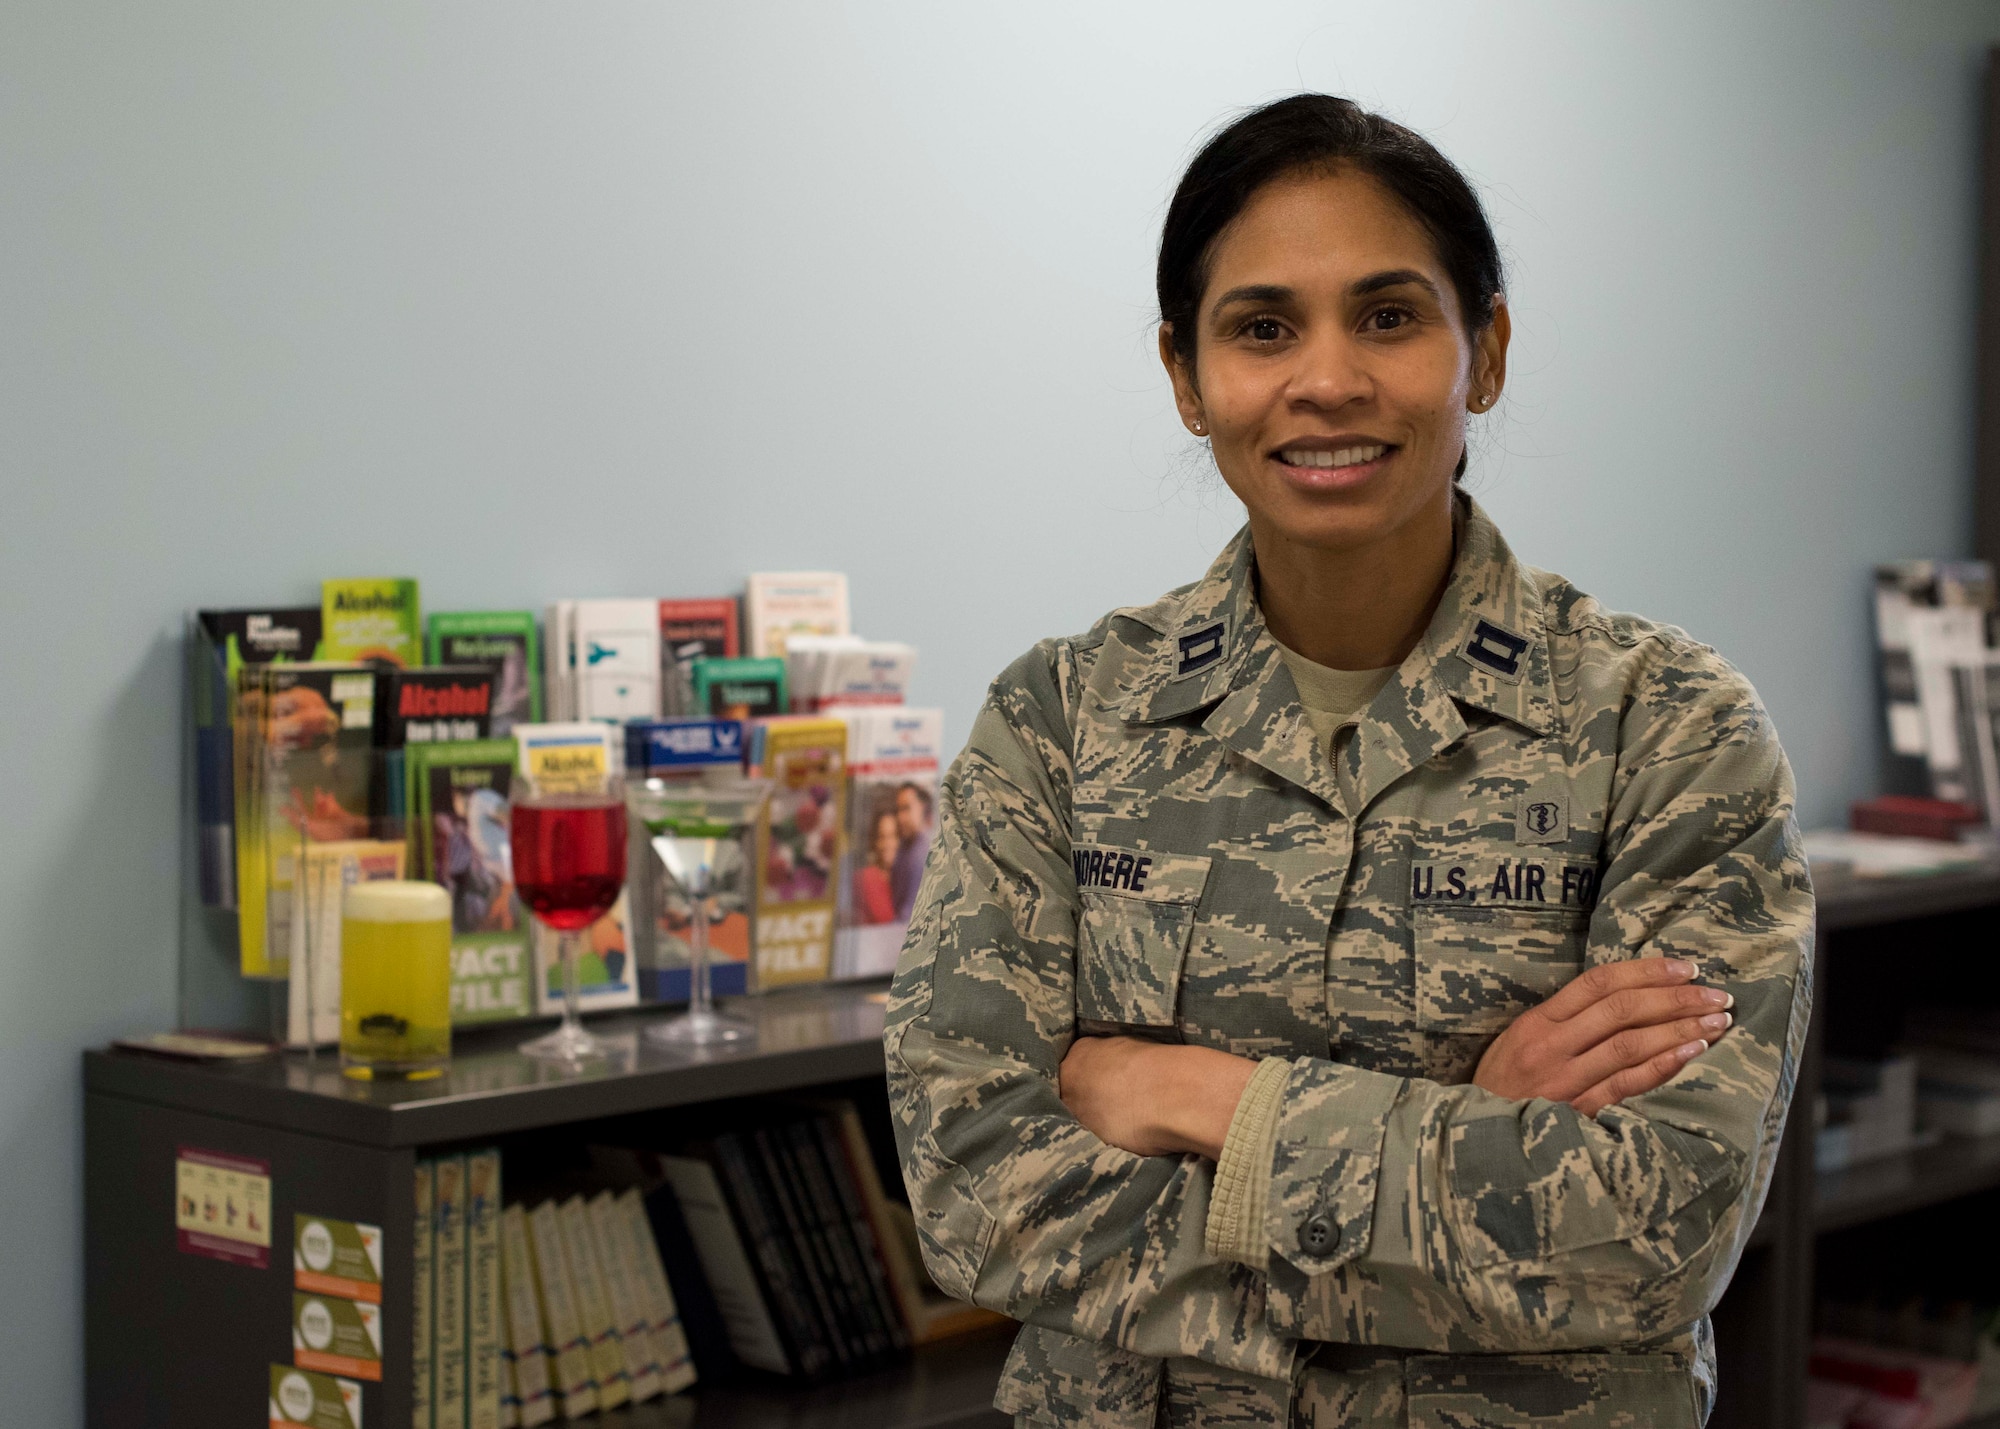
<point x="1320" y="131"/>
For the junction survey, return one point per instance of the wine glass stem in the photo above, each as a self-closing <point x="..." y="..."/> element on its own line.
<point x="570" y="1021"/>
<point x="701" y="997"/>
<point x="309" y="950"/>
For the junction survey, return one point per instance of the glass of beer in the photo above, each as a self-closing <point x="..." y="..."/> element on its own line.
<point x="395" y="980"/>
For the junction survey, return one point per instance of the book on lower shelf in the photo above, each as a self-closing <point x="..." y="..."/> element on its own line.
<point x="628" y="1318"/>
<point x="812" y="1268"/>
<point x="525" y="1314"/>
<point x="819" y="1148"/>
<point x="483" y="1291"/>
<point x="423" y="1286"/>
<point x="575" y="1387"/>
<point x="656" y="1296"/>
<point x="818" y="1309"/>
<point x="694" y="1301"/>
<point x="927" y="1313"/>
<point x="794" y="1146"/>
<point x="527" y="1346"/>
<point x="448" y="1286"/>
<point x="593" y="1307"/>
<point x="769" y="1246"/>
<point x="740" y="1300"/>
<point x="460" y="1311"/>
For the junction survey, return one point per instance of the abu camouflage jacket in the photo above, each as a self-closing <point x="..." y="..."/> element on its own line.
<point x="1144" y="834"/>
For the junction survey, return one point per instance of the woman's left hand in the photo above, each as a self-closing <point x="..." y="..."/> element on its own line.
<point x="1153" y="1098"/>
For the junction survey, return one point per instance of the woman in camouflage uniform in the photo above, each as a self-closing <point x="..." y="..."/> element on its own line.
<point x="1319" y="1005"/>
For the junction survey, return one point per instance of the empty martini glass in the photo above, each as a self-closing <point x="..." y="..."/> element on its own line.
<point x="698" y="831"/>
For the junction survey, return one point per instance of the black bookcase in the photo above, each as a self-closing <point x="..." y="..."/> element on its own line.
<point x="176" y="1339"/>
<point x="1883" y="945"/>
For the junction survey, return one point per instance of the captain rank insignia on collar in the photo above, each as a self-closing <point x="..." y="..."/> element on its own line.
<point x="1201" y="648"/>
<point x="1498" y="650"/>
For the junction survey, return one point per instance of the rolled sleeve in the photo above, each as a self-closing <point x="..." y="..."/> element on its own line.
<point x="1235" y="1228"/>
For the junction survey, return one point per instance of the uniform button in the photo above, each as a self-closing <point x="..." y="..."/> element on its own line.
<point x="1318" y="1235"/>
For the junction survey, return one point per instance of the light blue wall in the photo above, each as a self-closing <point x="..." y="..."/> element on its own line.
<point x="532" y="300"/>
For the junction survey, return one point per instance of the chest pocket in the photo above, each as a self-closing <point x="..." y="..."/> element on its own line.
<point x="1135" y="917"/>
<point x="1480" y="968"/>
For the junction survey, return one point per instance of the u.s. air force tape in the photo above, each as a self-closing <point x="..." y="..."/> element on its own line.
<point x="1505" y="883"/>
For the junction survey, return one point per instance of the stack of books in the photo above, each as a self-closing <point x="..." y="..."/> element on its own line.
<point x="785" y="1252"/>
<point x="526" y="1314"/>
<point x="770" y="1247"/>
<point x="1870" y="1111"/>
<point x="1957" y="1055"/>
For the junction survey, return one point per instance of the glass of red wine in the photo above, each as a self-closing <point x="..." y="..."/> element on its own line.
<point x="569" y="865"/>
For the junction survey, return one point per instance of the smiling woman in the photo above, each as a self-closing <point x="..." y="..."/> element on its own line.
<point x="1315" y="1008"/>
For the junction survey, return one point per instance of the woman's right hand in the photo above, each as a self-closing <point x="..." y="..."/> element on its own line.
<point x="1616" y="1031"/>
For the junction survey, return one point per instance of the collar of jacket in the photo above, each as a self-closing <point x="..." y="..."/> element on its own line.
<point x="1486" y="648"/>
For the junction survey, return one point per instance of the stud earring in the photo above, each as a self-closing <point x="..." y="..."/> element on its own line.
<point x="1200" y="427"/>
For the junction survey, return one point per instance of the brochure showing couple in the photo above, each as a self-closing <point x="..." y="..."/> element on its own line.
<point x="893" y="757"/>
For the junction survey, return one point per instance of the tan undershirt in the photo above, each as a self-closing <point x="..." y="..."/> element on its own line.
<point x="1235" y="1229"/>
<point x="1332" y="698"/>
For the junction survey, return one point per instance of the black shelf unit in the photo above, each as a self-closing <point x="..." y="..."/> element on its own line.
<point x="948" y="1385"/>
<point x="1846" y="902"/>
<point x="1764" y="1324"/>
<point x="1912" y="1181"/>
<point x="172" y="1338"/>
<point x="804" y="1039"/>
